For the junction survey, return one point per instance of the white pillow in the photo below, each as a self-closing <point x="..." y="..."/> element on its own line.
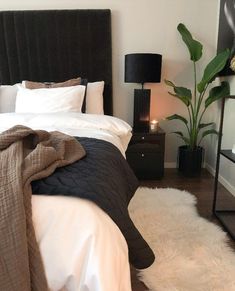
<point x="94" y="98"/>
<point x="8" y="98"/>
<point x="64" y="99"/>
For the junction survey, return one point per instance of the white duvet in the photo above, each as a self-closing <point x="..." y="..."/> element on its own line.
<point x="82" y="248"/>
<point x="104" y="127"/>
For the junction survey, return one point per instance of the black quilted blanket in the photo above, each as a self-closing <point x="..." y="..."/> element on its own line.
<point x="104" y="177"/>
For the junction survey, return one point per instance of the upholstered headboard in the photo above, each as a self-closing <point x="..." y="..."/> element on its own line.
<point x="56" y="45"/>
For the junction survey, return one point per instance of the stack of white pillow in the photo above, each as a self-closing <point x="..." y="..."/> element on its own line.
<point x="19" y="99"/>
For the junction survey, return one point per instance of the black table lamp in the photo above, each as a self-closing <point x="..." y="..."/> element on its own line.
<point x="142" y="68"/>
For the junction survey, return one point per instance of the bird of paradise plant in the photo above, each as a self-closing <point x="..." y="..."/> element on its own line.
<point x="198" y="100"/>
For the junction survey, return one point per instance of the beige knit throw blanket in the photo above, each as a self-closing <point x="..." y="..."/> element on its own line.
<point x="26" y="155"/>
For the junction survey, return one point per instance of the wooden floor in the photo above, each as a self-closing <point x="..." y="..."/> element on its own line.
<point x="202" y="188"/>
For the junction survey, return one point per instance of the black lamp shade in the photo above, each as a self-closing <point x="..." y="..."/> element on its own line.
<point x="143" y="68"/>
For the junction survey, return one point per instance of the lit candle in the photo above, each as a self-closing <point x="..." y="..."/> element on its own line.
<point x="153" y="125"/>
<point x="233" y="149"/>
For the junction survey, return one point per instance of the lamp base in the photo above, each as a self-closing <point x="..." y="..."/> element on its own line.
<point x="141" y="110"/>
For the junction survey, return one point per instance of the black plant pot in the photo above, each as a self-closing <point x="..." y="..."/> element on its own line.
<point x="190" y="161"/>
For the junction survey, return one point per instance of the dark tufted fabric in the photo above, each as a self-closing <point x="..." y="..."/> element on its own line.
<point x="57" y="45"/>
<point x="105" y="178"/>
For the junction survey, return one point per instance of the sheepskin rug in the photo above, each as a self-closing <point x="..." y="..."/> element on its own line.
<point x="192" y="253"/>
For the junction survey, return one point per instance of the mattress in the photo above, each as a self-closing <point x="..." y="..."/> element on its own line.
<point x="78" y="241"/>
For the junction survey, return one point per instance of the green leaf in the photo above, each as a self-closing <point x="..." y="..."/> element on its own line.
<point x="169" y="83"/>
<point x="180" y="134"/>
<point x="194" y="46"/>
<point x="184" y="100"/>
<point x="217" y="93"/>
<point x="203" y="125"/>
<point x="178" y="117"/>
<point x="210" y="131"/>
<point x="183" y="92"/>
<point x="212" y="69"/>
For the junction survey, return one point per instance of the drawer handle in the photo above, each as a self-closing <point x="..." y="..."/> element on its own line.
<point x="142" y="155"/>
<point x="142" y="137"/>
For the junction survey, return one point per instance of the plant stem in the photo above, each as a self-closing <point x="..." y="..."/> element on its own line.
<point x="200" y="100"/>
<point x="187" y="125"/>
<point x="200" y="141"/>
<point x="204" y="110"/>
<point x="199" y="104"/>
<point x="195" y="83"/>
<point x="193" y="107"/>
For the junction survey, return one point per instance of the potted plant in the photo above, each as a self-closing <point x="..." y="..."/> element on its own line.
<point x="197" y="102"/>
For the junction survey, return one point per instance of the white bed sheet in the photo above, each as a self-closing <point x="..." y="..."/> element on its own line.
<point x="82" y="248"/>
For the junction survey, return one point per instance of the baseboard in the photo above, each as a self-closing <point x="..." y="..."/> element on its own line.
<point x="170" y="165"/>
<point x="222" y="180"/>
<point x="173" y="165"/>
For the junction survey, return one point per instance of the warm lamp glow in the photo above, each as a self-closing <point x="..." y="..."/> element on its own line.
<point x="233" y="149"/>
<point x="144" y="118"/>
<point x="153" y="125"/>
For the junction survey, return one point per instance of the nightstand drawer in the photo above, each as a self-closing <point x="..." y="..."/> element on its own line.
<point x="145" y="154"/>
<point x="144" y="148"/>
<point x="146" y="165"/>
<point x="145" y="138"/>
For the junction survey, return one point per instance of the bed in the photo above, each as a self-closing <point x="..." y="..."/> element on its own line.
<point x="73" y="232"/>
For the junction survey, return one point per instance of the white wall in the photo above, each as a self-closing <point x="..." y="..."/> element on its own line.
<point x="227" y="168"/>
<point x="148" y="26"/>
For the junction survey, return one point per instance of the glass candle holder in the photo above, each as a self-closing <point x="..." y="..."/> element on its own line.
<point x="153" y="125"/>
<point x="233" y="149"/>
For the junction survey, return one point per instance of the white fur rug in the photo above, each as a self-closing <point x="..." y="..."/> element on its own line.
<point x="191" y="252"/>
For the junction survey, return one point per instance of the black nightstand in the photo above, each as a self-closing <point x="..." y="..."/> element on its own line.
<point x="145" y="154"/>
